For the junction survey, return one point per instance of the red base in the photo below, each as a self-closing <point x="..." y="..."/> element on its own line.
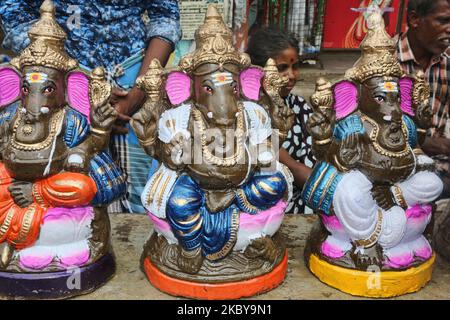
<point x="216" y="291"/>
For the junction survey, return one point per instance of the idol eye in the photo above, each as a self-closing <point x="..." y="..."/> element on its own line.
<point x="208" y="89"/>
<point x="235" y="88"/>
<point x="380" y="99"/>
<point x="25" y="90"/>
<point x="49" y="90"/>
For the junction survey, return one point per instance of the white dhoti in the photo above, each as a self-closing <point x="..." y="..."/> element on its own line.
<point x="357" y="210"/>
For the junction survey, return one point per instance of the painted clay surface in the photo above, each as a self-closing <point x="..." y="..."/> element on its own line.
<point x="373" y="187"/>
<point x="215" y="213"/>
<point x="55" y="177"/>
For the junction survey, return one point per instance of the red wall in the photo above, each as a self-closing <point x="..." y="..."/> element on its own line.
<point x="344" y="28"/>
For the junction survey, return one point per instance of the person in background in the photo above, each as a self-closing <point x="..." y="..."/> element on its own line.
<point x="425" y="47"/>
<point x="296" y="151"/>
<point x="113" y="34"/>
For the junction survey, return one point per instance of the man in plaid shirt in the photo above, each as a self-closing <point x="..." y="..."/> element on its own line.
<point x="425" y="46"/>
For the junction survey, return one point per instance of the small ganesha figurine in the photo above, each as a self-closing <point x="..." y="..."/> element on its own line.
<point x="216" y="203"/>
<point x="55" y="178"/>
<point x="373" y="187"/>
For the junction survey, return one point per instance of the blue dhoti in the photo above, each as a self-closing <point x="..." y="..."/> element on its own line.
<point x="215" y="233"/>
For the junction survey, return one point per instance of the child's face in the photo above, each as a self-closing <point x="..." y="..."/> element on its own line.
<point x="288" y="65"/>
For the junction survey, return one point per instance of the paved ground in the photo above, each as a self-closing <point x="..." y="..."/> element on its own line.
<point x="129" y="233"/>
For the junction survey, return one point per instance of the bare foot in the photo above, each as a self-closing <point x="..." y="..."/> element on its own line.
<point x="261" y="248"/>
<point x="21" y="192"/>
<point x="190" y="261"/>
<point x="369" y="257"/>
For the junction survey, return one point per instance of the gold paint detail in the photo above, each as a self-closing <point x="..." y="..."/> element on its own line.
<point x="214" y="45"/>
<point x="26" y="224"/>
<point x="241" y="195"/>
<point x="323" y="95"/>
<point x="62" y="195"/>
<point x="100" y="132"/>
<point x="267" y="188"/>
<point x="152" y="82"/>
<point x="399" y="198"/>
<point x="153" y="187"/>
<point x="37" y="197"/>
<point x="56" y="122"/>
<point x="323" y="142"/>
<point x="325" y="190"/>
<point x="372" y="240"/>
<point x="47" y="44"/>
<point x="99" y="92"/>
<point x="207" y="154"/>
<point x="261" y="116"/>
<point x="273" y="82"/>
<point x="7" y="222"/>
<point x="162" y="191"/>
<point x="339" y="166"/>
<point x="378" y="57"/>
<point x="190" y="220"/>
<point x="384" y="284"/>
<point x="374" y="139"/>
<point x="424" y="131"/>
<point x="421" y="92"/>
<point x="255" y="191"/>
<point x="197" y="227"/>
<point x="231" y="242"/>
<point x="316" y="184"/>
<point x="70" y="183"/>
<point x="418" y="152"/>
<point x="27" y="129"/>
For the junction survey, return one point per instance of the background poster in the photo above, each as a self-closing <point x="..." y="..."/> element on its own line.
<point x="345" y="29"/>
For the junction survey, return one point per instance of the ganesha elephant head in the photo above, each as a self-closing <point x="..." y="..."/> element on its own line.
<point x="45" y="80"/>
<point x="216" y="90"/>
<point x="43" y="91"/>
<point x="372" y="178"/>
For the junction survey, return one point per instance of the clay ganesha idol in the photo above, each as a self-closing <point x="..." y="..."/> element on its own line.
<point x="215" y="213"/>
<point x="373" y="187"/>
<point x="55" y="178"/>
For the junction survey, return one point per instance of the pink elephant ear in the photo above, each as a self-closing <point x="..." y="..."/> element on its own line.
<point x="406" y="87"/>
<point x="9" y="85"/>
<point x="251" y="83"/>
<point x="78" y="92"/>
<point x="178" y="87"/>
<point x="345" y="98"/>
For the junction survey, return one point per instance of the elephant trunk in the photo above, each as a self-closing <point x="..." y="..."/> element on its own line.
<point x="223" y="113"/>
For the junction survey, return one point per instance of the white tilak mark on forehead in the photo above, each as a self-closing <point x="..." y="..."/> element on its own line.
<point x="388" y="86"/>
<point x="222" y="78"/>
<point x="36" y="77"/>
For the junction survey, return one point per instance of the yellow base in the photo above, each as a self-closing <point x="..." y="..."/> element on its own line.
<point x="373" y="284"/>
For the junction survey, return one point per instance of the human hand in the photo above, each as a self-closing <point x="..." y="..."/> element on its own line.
<point x="126" y="104"/>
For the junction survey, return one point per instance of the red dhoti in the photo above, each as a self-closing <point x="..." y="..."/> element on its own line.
<point x="20" y="226"/>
